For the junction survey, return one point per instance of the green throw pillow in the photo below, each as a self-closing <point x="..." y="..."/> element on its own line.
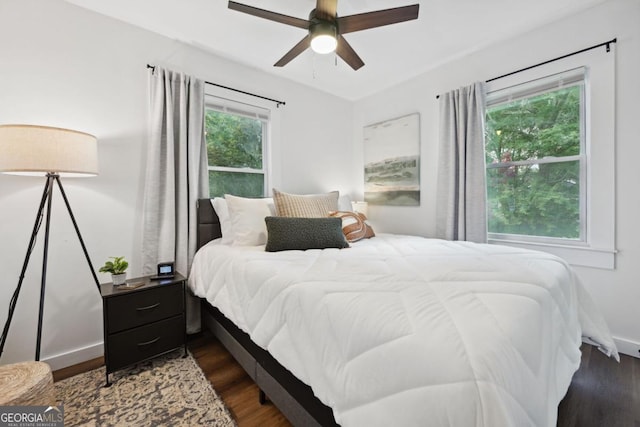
<point x="286" y="233"/>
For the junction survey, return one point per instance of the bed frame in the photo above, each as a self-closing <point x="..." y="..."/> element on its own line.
<point x="294" y="398"/>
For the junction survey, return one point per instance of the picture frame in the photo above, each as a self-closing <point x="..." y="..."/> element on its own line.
<point x="392" y="162"/>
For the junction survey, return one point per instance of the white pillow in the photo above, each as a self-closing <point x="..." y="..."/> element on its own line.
<point x="344" y="203"/>
<point x="247" y="219"/>
<point x="221" y="208"/>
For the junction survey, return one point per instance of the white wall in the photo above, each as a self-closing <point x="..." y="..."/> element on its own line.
<point x="64" y="66"/>
<point x="617" y="292"/>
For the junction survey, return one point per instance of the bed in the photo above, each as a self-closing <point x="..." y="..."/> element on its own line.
<point x="399" y="330"/>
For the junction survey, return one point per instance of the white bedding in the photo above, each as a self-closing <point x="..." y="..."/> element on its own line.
<point x="408" y="331"/>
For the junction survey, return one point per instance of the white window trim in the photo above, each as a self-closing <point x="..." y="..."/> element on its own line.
<point x="598" y="249"/>
<point x="571" y="78"/>
<point x="263" y="110"/>
<point x="238" y="170"/>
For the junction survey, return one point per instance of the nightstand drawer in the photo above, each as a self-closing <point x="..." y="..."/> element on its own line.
<point x="128" y="347"/>
<point x="138" y="308"/>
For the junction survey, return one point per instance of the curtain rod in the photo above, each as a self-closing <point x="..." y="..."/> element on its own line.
<point x="607" y="44"/>
<point x="278" y="103"/>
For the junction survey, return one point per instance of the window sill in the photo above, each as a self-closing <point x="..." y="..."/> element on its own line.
<point x="575" y="255"/>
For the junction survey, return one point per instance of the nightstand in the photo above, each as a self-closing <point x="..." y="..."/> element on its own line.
<point x="143" y="322"/>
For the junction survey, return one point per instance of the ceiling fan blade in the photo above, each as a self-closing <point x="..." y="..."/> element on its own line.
<point x="295" y="51"/>
<point x="346" y="52"/>
<point x="267" y="14"/>
<point x="379" y="18"/>
<point x="326" y="9"/>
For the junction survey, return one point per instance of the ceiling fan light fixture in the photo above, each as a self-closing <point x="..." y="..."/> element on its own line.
<point x="325" y="28"/>
<point x="324" y="44"/>
<point x="323" y="37"/>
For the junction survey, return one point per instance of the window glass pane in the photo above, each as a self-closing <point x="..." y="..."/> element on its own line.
<point x="535" y="200"/>
<point x="545" y="125"/>
<point x="236" y="183"/>
<point x="233" y="141"/>
<point x="534" y="148"/>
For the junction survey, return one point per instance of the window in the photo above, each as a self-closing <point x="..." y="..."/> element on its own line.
<point x="536" y="163"/>
<point x="550" y="158"/>
<point x="236" y="136"/>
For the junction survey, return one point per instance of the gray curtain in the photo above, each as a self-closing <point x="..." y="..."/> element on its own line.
<point x="461" y="193"/>
<point x="176" y="175"/>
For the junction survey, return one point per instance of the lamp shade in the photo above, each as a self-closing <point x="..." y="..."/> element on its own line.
<point x="38" y="150"/>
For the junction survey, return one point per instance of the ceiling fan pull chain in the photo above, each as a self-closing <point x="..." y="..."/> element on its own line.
<point x="313" y="66"/>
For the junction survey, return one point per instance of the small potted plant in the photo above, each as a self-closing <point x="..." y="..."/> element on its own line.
<point x="117" y="268"/>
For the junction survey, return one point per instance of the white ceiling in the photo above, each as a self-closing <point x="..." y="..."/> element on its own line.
<point x="444" y="30"/>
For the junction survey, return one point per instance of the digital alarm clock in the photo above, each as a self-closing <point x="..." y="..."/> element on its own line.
<point x="166" y="270"/>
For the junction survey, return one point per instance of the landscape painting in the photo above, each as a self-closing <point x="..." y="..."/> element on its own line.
<point x="392" y="162"/>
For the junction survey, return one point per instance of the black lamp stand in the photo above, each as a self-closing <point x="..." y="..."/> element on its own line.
<point x="44" y="202"/>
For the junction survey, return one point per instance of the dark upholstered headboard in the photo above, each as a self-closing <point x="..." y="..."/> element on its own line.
<point x="208" y="222"/>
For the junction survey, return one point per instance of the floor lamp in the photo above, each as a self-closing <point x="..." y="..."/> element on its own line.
<point x="53" y="153"/>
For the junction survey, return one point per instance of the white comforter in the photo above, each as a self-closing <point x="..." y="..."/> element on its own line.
<point x="408" y="331"/>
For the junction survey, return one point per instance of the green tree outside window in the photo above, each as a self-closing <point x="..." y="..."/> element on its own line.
<point x="235" y="154"/>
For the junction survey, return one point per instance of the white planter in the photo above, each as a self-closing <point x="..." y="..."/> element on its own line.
<point x="119" y="279"/>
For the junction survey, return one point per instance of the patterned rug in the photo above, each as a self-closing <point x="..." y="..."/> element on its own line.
<point x="166" y="391"/>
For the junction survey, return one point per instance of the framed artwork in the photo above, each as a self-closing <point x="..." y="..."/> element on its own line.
<point x="392" y="162"/>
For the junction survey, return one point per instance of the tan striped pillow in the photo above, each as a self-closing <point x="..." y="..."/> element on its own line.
<point x="305" y="206"/>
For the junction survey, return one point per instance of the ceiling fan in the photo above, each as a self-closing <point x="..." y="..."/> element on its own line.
<point x="326" y="28"/>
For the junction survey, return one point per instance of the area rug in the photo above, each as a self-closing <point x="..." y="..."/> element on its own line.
<point x="166" y="391"/>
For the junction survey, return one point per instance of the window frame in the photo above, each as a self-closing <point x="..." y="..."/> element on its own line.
<point x="598" y="249"/>
<point x="250" y="110"/>
<point x="537" y="87"/>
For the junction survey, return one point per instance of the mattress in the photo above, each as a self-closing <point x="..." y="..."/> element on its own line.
<point x="405" y="330"/>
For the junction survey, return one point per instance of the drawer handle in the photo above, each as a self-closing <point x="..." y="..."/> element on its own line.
<point x="148" y="342"/>
<point x="149" y="307"/>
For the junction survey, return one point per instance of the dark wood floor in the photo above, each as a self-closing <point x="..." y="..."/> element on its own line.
<point x="603" y="393"/>
<point x="233" y="385"/>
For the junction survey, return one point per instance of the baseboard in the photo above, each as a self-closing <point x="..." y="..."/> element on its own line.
<point x="630" y="348"/>
<point x="74" y="357"/>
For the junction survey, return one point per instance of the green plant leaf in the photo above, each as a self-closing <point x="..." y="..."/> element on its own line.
<point x="117" y="266"/>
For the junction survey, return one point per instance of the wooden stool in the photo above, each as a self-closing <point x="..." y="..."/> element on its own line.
<point x="27" y="384"/>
